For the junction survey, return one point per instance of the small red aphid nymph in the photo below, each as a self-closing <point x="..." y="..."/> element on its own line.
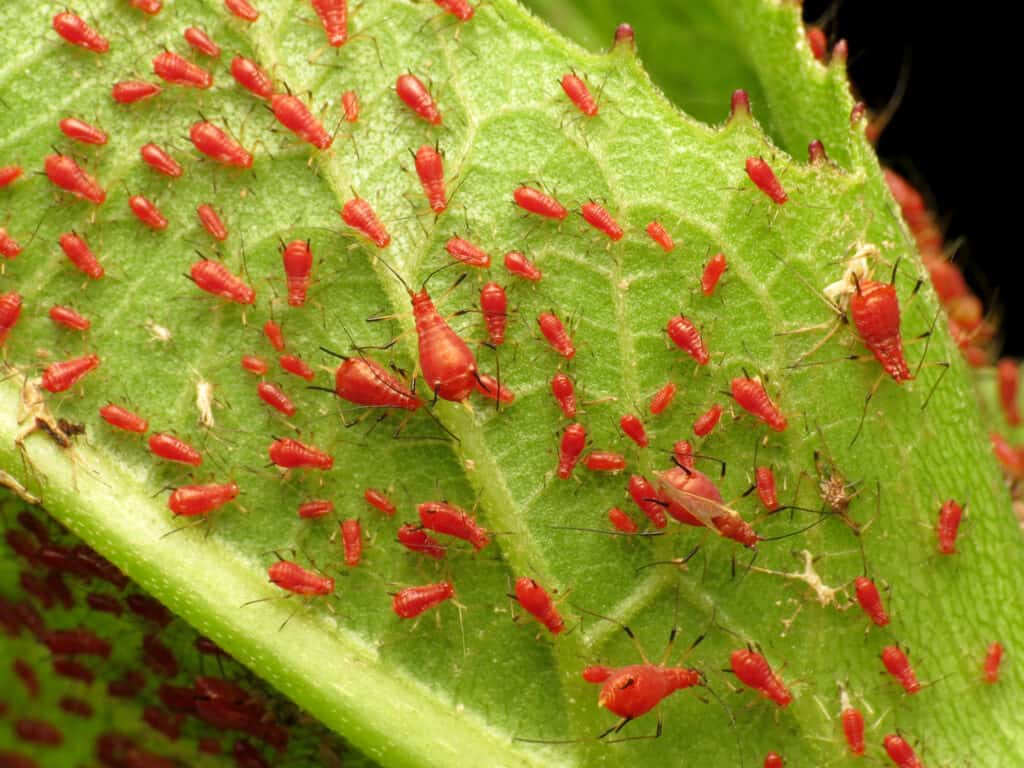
<point x="123" y="419"/>
<point x="150" y="7"/>
<point x="131" y="91"/>
<point x="752" y="669"/>
<point x="875" y="311"/>
<point x="81" y="131"/>
<point x="416" y="96"/>
<point x="633" y="428"/>
<point x="682" y="454"/>
<point x="297" y="367"/>
<point x="242" y="9"/>
<point x="441" y="517"/>
<point x="211" y="222"/>
<point x="352" y="539"/>
<point x="556" y="334"/>
<point x="494" y="306"/>
<point x="538" y="603"/>
<point x="10" y="311"/>
<point x="379" y="500"/>
<point x="410" y="602"/>
<point x="274" y="334"/>
<point x="430" y="169"/>
<point x="273" y="396"/>
<point x="358" y="214"/>
<point x="77" y="31"/>
<point x="69" y="318"/>
<point x="596" y="216"/>
<point x="172" y="68"/>
<point x="67" y="174"/>
<point x="317" y="508"/>
<point x="200" y="41"/>
<point x="9" y="174"/>
<point x="218" y="146"/>
<point x="158" y="159"/>
<point x="415" y="539"/>
<point x="253" y="364"/>
<point x="448" y="365"/>
<point x="764" y="482"/>
<point x="817" y="41"/>
<point x="751" y="397"/>
<point x="564" y="392"/>
<point x="61" y="376"/>
<point x="948" y="526"/>
<point x="291" y="454"/>
<point x="193" y="500"/>
<point x="520" y="266"/>
<point x="764" y="179"/>
<point x="363" y="381"/>
<point x="707" y="421"/>
<point x="853" y="728"/>
<point x="774" y="760"/>
<point x="293" y="578"/>
<point x="574" y="438"/>
<point x="900" y="752"/>
<point x="172" y="448"/>
<point x="9" y="247"/>
<point x="147" y="212"/>
<point x="870" y="600"/>
<point x="993" y="658"/>
<point x="468" y="253"/>
<point x="334" y="18"/>
<point x="579" y="94"/>
<point x="294" y="115"/>
<point x="213" y="277"/>
<point x="298" y="266"/>
<point x="661" y="236"/>
<point x="686" y="336"/>
<point x="249" y="75"/>
<point x="897" y="665"/>
<point x="1008" y="375"/>
<point x="534" y="201"/>
<point x="712" y="274"/>
<point x="622" y="522"/>
<point x="605" y="461"/>
<point x="650" y="503"/>
<point x="350" y="106"/>
<point x="460" y="9"/>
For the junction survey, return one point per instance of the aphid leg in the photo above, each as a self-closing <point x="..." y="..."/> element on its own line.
<point x="624" y="628"/>
<point x="623" y="723"/>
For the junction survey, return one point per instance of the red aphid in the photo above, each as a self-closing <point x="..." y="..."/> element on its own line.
<point x="293" y="578"/>
<point x="171" y="448"/>
<point x="493" y="305"/>
<point x="334" y="18"/>
<point x="1008" y="375"/>
<point x="291" y="454"/>
<point x="294" y="115"/>
<point x="242" y="9"/>
<point x="1009" y="458"/>
<point x="993" y="658"/>
<point x="37" y="732"/>
<point x="211" y="222"/>
<point x="661" y="236"/>
<point x="870" y="600"/>
<point x="76" y="31"/>
<point x="77" y="642"/>
<point x="274" y="335"/>
<point x="65" y="173"/>
<point x="520" y="266"/>
<point x="622" y="522"/>
<point x="574" y="439"/>
<point x="752" y="669"/>
<point x="202" y="42"/>
<point x="275" y="398"/>
<point x="298" y="266"/>
<point x="712" y="274"/>
<point x="69" y="318"/>
<point x="363" y="381"/>
<point x="150" y="7"/>
<point x="358" y="214"/>
<point x="897" y="665"/>
<point x="472" y="255"/>
<point x="599" y="218"/>
<point x="213" y="277"/>
<point x="379" y="500"/>
<point x="534" y="201"/>
<point x="650" y="503"/>
<point x="441" y="517"/>
<point x="853" y="729"/>
<point x="9" y="174"/>
<point x="414" y="93"/>
<point x="751" y="397"/>
<point x="460" y="9"/>
<point x="875" y="311"/>
<point x="317" y="508"/>
<point x="553" y="330"/>
<point x="218" y="146"/>
<point x="948" y="526"/>
<point x="686" y="336"/>
<point x="9" y="247"/>
<point x="249" y="75"/>
<point x="352" y="539"/>
<point x="415" y="539"/>
<point x="707" y="421"/>
<point x="446" y="361"/>
<point x="410" y="602"/>
<point x="173" y="68"/>
<point x="430" y="169"/>
<point x="157" y="158"/>
<point x="253" y="364"/>
<point x="565" y="394"/>
<point x="694" y="499"/>
<point x="635" y="690"/>
<point x="297" y="367"/>
<point x="817" y="41"/>
<point x="123" y="419"/>
<point x="764" y="482"/>
<point x="81" y="131"/>
<point x="28" y="677"/>
<point x="663" y="398"/>
<point x="131" y="91"/>
<point x="634" y="429"/>
<point x="61" y="376"/>
<point x="538" y="603"/>
<point x="147" y="212"/>
<point x="764" y="179"/>
<point x="605" y="461"/>
<point x="579" y="94"/>
<point x="350" y="106"/>
<point x="192" y="500"/>
<point x="489" y="387"/>
<point x="774" y="760"/>
<point x="900" y="752"/>
<point x="77" y="707"/>
<point x="73" y="670"/>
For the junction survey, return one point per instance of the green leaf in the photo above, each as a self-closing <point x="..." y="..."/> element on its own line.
<point x="466" y="689"/>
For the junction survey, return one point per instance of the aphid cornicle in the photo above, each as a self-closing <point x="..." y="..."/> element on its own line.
<point x="62" y="375"/>
<point x="172" y="68"/>
<point x="131" y="91"/>
<point x="579" y="94"/>
<point x="565" y="394"/>
<point x="294" y="115"/>
<point x="123" y="419"/>
<point x="870" y="600"/>
<point x="213" y="277"/>
<point x="764" y="179"/>
<point x="363" y="381"/>
<point x="540" y="203"/>
<point x="158" y="159"/>
<point x="948" y="526"/>
<point x="352" y="540"/>
<point x="200" y="41"/>
<point x="751" y="396"/>
<point x="211" y="222"/>
<point x="145" y="210"/>
<point x="69" y="318"/>
<point x="293" y="578"/>
<point x="520" y="266"/>
<point x="291" y="454"/>
<point x="553" y="330"/>
<point x="600" y="219"/>
<point x="660" y="235"/>
<point x="753" y="670"/>
<point x="175" y="449"/>
<point x="193" y="500"/>
<point x="75" y="30"/>
<point x="410" y="602"/>
<point x="875" y="311"/>
<point x="441" y="517"/>
<point x="430" y="169"/>
<point x="67" y="174"/>
<point x="685" y="335"/>
<point x="574" y="438"/>
<point x="81" y="131"/>
<point x="494" y="306"/>
<point x="712" y="273"/>
<point x="900" y="752"/>
<point x="298" y="266"/>
<point x="218" y="146"/>
<point x="414" y="93"/>
<point x="358" y="214"/>
<point x="538" y="603"/>
<point x="273" y="396"/>
<point x="249" y="75"/>
<point x="333" y="16"/>
<point x="468" y="253"/>
<point x="897" y="665"/>
<point x="415" y="539"/>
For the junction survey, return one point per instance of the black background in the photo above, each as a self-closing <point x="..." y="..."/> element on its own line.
<point x="953" y="134"/>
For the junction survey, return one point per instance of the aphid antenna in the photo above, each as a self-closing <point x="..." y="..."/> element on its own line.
<point x="625" y="628"/>
<point x="679" y="562"/>
<point x="606" y="532"/>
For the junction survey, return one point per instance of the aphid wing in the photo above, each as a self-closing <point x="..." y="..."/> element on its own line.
<point x="701" y="507"/>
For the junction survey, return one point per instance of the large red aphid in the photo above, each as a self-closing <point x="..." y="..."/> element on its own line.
<point x="296" y="366"/>
<point x="520" y="266"/>
<point x="171" y="448"/>
<point x="315" y="509"/>
<point x="293" y="578"/>
<point x="9" y="174"/>
<point x="538" y="603"/>
<point x="430" y="169"/>
<point x="650" y="503"/>
<point x="494" y="306"/>
<point x="242" y="9"/>
<point x="358" y="214"/>
<point x="200" y="41"/>
<point x="274" y="334"/>
<point x="146" y="211"/>
<point x="157" y="158"/>
<point x="553" y="330"/>
<point x="565" y="394"/>
<point x="218" y="146"/>
<point x="685" y="335"/>
<point x="350" y="106"/>
<point x="213" y="277"/>
<point x="604" y="461"/>
<point x="764" y="179"/>
<point x="491" y="388"/>
<point x="534" y="201"/>
<point x="441" y="517"/>
<point x="415" y="539"/>
<point x="633" y="691"/>
<point x="294" y="115"/>
<point x="211" y="222"/>
<point x="334" y="18"/>
<point x="634" y="429"/>
<point x="131" y="91"/>
<point x="272" y="395"/>
<point x="298" y="266"/>
<point x="9" y="247"/>
<point x="764" y="482"/>
<point x="352" y="540"/>
<point x="69" y="318"/>
<point x="870" y="600"/>
<point x="579" y="94"/>
<point x="460" y="9"/>
<point x="707" y="421"/>
<point x="753" y="670"/>
<point x="900" y="752"/>
<point x="660" y="235"/>
<point x="81" y="131"/>
<point x="414" y="93"/>
<point x="852" y="722"/>
<point x="599" y="218"/>
<point x="448" y="365"/>
<point x="875" y="311"/>
<point x="468" y="253"/>
<point x="123" y="419"/>
<point x="750" y="395"/>
<point x="410" y="602"/>
<point x="77" y="31"/>
<point x="993" y="659"/>
<point x="1008" y="375"/>
<point x="948" y="526"/>
<point x="621" y="521"/>
<point x="574" y="439"/>
<point x="712" y="273"/>
<point x="897" y="665"/>
<point x="62" y="375"/>
<point x="172" y="68"/>
<point x="10" y="311"/>
<point x="380" y="501"/>
<point x="67" y="174"/>
<point x="694" y="499"/>
<point x="291" y="454"/>
<point x="192" y="500"/>
<point x="363" y="381"/>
